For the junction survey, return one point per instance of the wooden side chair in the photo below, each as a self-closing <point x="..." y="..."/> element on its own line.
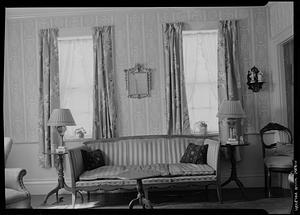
<point x="291" y="179"/>
<point x="280" y="156"/>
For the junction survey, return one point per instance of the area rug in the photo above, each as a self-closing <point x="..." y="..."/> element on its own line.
<point x="272" y="205"/>
<point x="68" y="206"/>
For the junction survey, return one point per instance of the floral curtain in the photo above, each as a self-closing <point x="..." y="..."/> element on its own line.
<point x="177" y="110"/>
<point x="104" y="105"/>
<point x="229" y="81"/>
<point x="48" y="95"/>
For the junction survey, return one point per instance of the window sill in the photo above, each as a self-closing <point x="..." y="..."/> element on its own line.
<point x="214" y="134"/>
<point x="70" y="140"/>
<point x="76" y="139"/>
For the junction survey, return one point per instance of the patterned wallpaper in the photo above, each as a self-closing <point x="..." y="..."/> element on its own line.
<point x="138" y="39"/>
<point x="281" y="17"/>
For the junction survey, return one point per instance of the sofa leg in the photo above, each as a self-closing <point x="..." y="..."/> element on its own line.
<point x="82" y="199"/>
<point x="219" y="192"/>
<point x="88" y="195"/>
<point x="146" y="194"/>
<point x="73" y="199"/>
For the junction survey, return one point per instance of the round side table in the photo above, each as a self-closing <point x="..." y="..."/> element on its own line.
<point x="61" y="180"/>
<point x="233" y="175"/>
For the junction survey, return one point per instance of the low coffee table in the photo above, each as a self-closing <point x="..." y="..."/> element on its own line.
<point x="138" y="175"/>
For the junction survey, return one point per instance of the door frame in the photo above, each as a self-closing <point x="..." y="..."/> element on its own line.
<point x="283" y="74"/>
<point x="277" y="79"/>
<point x="282" y="78"/>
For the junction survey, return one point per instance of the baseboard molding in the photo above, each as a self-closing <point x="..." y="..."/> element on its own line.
<point x="43" y="186"/>
<point x="247" y="180"/>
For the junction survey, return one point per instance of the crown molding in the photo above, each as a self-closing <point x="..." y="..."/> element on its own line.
<point x="19" y="13"/>
<point x="35" y="12"/>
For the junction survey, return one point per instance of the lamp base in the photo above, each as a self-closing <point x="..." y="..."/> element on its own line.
<point x="232" y="129"/>
<point x="61" y="131"/>
<point x="232" y="142"/>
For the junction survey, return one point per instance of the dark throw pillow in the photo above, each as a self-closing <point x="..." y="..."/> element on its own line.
<point x="92" y="159"/>
<point x="196" y="154"/>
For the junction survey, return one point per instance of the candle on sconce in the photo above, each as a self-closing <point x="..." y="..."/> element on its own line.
<point x="260" y="76"/>
<point x="255" y="79"/>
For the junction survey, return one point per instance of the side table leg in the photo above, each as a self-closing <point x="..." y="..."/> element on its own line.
<point x="227" y="181"/>
<point x="67" y="188"/>
<point x="132" y="202"/>
<point x="55" y="190"/>
<point x="241" y="186"/>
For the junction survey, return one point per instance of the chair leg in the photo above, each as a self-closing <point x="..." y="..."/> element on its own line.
<point x="292" y="187"/>
<point x="219" y="192"/>
<point x="73" y="198"/>
<point x="266" y="182"/>
<point x="269" y="184"/>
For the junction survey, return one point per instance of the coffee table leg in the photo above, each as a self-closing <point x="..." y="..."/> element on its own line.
<point x="146" y="204"/>
<point x="140" y="197"/>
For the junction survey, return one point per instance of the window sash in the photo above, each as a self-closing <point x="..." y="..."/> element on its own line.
<point x="200" y="70"/>
<point x="76" y="81"/>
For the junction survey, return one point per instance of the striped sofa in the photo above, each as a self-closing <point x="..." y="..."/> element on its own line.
<point x="156" y="152"/>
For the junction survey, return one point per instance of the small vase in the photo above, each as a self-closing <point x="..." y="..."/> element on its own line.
<point x="203" y="130"/>
<point x="81" y="135"/>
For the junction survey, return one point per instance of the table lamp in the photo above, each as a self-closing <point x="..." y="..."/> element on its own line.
<point x="232" y="110"/>
<point x="60" y="118"/>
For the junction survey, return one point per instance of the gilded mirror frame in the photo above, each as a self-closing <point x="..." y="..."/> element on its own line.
<point x="138" y="81"/>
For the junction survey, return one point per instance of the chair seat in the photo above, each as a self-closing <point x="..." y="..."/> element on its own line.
<point x="13" y="196"/>
<point x="279" y="162"/>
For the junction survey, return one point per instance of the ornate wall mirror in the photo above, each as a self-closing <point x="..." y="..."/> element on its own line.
<point x="138" y="81"/>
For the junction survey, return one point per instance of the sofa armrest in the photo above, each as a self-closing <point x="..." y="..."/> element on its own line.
<point x="213" y="153"/>
<point x="14" y="179"/>
<point x="76" y="163"/>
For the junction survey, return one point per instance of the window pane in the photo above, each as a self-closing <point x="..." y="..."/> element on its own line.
<point x="200" y="70"/>
<point x="76" y="79"/>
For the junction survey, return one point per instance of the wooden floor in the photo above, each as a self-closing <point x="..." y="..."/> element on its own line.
<point x="186" y="199"/>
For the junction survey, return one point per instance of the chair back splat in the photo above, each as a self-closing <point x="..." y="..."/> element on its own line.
<point x="274" y="127"/>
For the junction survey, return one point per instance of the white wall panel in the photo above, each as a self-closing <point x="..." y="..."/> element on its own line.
<point x="281" y="17"/>
<point x="212" y="14"/>
<point x="121" y="56"/>
<point x="152" y="60"/>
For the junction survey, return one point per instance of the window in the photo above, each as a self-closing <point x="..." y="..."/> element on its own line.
<point x="76" y="81"/>
<point x="200" y="71"/>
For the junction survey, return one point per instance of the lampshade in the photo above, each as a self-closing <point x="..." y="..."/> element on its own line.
<point x="231" y="109"/>
<point x="61" y="117"/>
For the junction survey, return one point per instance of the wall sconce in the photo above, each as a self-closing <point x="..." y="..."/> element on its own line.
<point x="255" y="79"/>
